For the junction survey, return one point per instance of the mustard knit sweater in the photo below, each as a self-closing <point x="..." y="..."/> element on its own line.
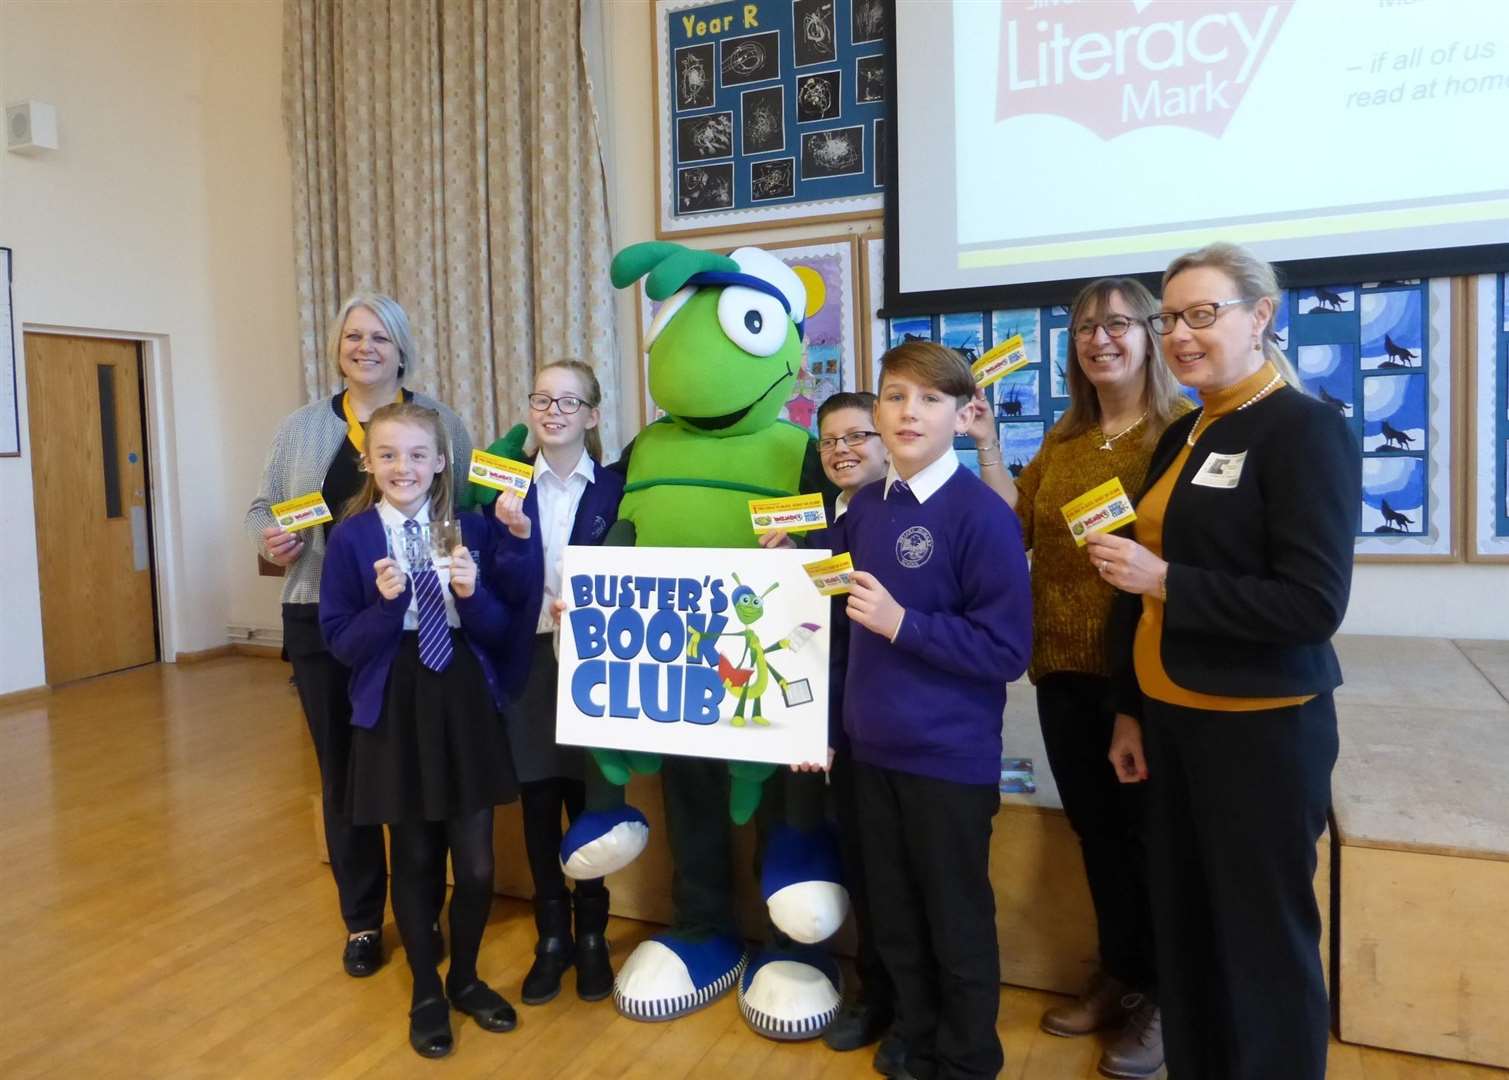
<point x="1070" y="602"/>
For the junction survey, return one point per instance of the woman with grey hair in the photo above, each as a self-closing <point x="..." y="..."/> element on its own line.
<point x="318" y="450"/>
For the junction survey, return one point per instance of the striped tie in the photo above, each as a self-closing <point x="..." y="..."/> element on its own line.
<point x="434" y="632"/>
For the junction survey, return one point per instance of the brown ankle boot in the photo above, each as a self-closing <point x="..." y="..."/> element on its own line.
<point x="1099" y="1006"/>
<point x="1137" y="1053"/>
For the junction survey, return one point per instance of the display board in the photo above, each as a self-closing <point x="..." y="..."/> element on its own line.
<point x="1488" y="485"/>
<point x="768" y="111"/>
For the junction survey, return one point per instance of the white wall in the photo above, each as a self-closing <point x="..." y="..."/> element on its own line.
<point x="1455" y="600"/>
<point x="166" y="212"/>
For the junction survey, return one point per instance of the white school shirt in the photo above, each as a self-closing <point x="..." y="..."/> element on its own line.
<point x="394" y="520"/>
<point x="928" y="479"/>
<point x="558" y="501"/>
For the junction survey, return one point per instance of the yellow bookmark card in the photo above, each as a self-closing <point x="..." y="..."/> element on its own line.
<point x="500" y="473"/>
<point x="795" y="513"/>
<point x="1099" y="510"/>
<point x="1002" y="360"/>
<point x="831" y="576"/>
<point x="302" y="513"/>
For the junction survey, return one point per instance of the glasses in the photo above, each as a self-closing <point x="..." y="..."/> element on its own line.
<point x="1196" y="316"/>
<point x="1116" y="326"/>
<point x="853" y="440"/>
<point x="568" y="404"/>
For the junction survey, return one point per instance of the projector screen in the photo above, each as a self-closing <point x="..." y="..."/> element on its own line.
<point x="1040" y="143"/>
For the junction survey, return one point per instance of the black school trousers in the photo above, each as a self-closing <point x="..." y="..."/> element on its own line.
<point x="927" y="865"/>
<point x="1236" y="803"/>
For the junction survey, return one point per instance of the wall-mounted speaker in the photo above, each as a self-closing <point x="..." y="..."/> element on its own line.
<point x="31" y="127"/>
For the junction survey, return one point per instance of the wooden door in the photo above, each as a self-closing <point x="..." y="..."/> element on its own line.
<point x="89" y="482"/>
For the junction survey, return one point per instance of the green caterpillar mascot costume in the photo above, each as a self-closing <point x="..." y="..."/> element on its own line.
<point x="724" y="351"/>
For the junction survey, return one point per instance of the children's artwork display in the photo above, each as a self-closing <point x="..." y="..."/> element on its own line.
<point x="1488" y="487"/>
<point x="768" y="111"/>
<point x="1376" y="352"/>
<point x="831" y="342"/>
<point x="705" y="652"/>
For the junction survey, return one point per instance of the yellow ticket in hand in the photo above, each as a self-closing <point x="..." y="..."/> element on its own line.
<point x="795" y="513"/>
<point x="302" y="513"/>
<point x="999" y="361"/>
<point x="1099" y="510"/>
<point x="831" y="576"/>
<point x="500" y="473"/>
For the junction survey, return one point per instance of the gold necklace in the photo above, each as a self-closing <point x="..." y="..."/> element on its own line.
<point x="1109" y="439"/>
<point x="1194" y="431"/>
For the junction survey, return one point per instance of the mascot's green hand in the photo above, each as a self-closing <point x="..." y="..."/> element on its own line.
<point x="746" y="783"/>
<point x="510" y="446"/>
<point x="618" y="765"/>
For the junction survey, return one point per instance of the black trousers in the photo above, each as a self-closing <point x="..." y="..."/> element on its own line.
<point x="698" y="830"/>
<point x="542" y="803"/>
<point x="876" y="988"/>
<point x="1236" y="803"/>
<point x="927" y="863"/>
<point x="358" y="858"/>
<point x="1106" y="815"/>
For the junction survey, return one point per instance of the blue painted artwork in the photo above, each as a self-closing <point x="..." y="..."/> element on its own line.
<point x="963" y="333"/>
<point x="1327" y="372"/>
<point x="1058" y="347"/>
<point x="1393" y="413"/>
<point x="1327" y="299"/>
<point x="1393" y="495"/>
<point x="917" y="328"/>
<point x="969" y="457"/>
<point x="1020" y="443"/>
<point x="1281" y="320"/>
<point x="1392" y="331"/>
<point x="1017" y="394"/>
<point x="1005" y="325"/>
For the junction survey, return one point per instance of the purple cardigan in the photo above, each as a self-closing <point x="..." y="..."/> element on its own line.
<point x="363" y="630"/>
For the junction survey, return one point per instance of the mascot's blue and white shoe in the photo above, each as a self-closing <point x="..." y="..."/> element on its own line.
<point x="668" y="976"/>
<point x="790" y="993"/>
<point x="603" y="842"/>
<point x="801" y="882"/>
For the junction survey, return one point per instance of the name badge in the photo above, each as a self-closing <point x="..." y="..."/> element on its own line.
<point x="1100" y="509"/>
<point x="302" y="513"/>
<point x="1220" y="471"/>
<point x="500" y="473"/>
<point x="1005" y="358"/>
<point x="831" y="576"/>
<point x="795" y="513"/>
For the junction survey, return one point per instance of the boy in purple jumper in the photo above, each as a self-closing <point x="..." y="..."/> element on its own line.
<point x="942" y="620"/>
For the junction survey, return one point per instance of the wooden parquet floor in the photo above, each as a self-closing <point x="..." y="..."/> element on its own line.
<point x="162" y="914"/>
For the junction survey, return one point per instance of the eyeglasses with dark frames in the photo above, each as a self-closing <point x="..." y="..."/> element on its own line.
<point x="853" y="440"/>
<point x="1196" y="316"/>
<point x="1116" y="326"/>
<point x="568" y="403"/>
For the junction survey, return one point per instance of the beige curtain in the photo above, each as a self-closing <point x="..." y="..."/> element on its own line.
<point x="444" y="152"/>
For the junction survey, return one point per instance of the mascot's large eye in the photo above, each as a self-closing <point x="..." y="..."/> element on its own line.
<point x="754" y="321"/>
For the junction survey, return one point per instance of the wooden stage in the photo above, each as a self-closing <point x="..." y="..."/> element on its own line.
<point x="163" y="915"/>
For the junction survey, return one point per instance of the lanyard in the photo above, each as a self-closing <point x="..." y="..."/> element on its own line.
<point x="354" y="429"/>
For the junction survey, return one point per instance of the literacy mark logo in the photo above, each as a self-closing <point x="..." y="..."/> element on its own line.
<point x="1117" y="67"/>
<point x="914" y="547"/>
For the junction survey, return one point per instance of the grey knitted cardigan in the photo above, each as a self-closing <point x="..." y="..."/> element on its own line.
<point x="301" y="453"/>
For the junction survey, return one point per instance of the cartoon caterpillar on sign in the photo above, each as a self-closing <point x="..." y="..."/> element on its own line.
<point x="751" y="676"/>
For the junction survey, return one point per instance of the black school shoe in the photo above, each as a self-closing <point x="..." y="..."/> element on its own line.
<point x="857" y="1024"/>
<point x="363" y="955"/>
<point x="430" y="1028"/>
<point x="890" y="1058"/>
<point x="486" y="1006"/>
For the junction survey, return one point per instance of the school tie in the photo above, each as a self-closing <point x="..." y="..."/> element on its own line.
<point x="899" y="493"/>
<point x="434" y="631"/>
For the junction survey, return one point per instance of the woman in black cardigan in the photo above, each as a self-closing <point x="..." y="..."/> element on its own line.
<point x="1223" y="672"/>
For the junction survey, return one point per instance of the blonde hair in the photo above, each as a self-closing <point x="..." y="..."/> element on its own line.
<point x="1160" y="390"/>
<point x="930" y="364"/>
<point x="389" y="312"/>
<point x="1254" y="279"/>
<point x="592" y="395"/>
<point x="407" y="412"/>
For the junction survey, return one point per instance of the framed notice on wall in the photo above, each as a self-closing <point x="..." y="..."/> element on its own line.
<point x="1488" y="410"/>
<point x="768" y="112"/>
<point x="10" y="410"/>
